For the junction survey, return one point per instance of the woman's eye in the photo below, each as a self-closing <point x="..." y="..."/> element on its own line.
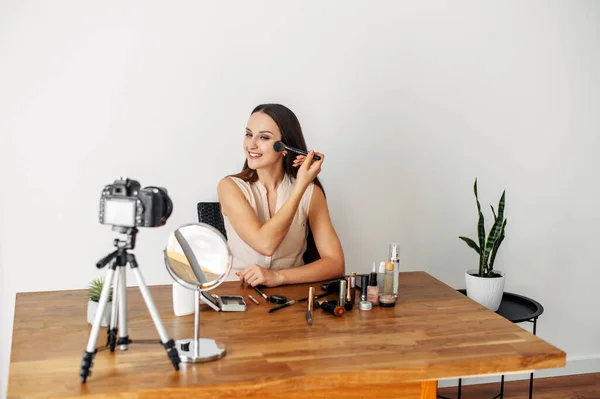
<point x="248" y="134"/>
<point x="264" y="137"/>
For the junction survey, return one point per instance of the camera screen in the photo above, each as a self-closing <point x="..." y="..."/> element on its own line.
<point x="119" y="212"/>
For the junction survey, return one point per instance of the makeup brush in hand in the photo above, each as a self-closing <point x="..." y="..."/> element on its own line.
<point x="279" y="147"/>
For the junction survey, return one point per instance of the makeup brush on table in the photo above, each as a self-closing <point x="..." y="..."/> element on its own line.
<point x="319" y="296"/>
<point x="332" y="307"/>
<point x="279" y="147"/>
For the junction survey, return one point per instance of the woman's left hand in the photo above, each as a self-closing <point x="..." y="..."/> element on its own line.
<point x="255" y="275"/>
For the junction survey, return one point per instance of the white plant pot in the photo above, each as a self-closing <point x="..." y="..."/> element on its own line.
<point x="91" y="313"/>
<point x="183" y="300"/>
<point x="487" y="291"/>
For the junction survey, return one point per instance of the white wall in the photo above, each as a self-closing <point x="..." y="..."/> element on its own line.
<point x="410" y="101"/>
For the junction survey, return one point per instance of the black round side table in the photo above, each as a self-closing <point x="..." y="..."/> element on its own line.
<point x="518" y="309"/>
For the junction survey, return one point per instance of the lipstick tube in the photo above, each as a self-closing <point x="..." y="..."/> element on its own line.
<point x="342" y="292"/>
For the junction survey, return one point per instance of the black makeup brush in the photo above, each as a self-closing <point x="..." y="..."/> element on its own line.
<point x="279" y="146"/>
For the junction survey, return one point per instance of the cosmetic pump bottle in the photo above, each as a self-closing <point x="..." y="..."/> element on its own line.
<point x="364" y="286"/>
<point x="380" y="277"/>
<point x="388" y="280"/>
<point x="373" y="290"/>
<point x="395" y="259"/>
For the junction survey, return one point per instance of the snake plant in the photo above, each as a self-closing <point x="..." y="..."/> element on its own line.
<point x="488" y="246"/>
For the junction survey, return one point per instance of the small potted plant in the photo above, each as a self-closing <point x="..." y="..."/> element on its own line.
<point x="95" y="289"/>
<point x="485" y="285"/>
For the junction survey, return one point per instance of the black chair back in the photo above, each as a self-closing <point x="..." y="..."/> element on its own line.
<point x="210" y="213"/>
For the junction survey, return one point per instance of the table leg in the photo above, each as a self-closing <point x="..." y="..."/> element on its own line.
<point x="530" y="385"/>
<point x="459" y="389"/>
<point x="501" y="394"/>
<point x="531" y="375"/>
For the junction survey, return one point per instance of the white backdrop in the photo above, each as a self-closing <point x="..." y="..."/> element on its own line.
<point x="410" y="101"/>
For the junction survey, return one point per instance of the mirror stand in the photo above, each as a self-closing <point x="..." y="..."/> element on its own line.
<point x="199" y="350"/>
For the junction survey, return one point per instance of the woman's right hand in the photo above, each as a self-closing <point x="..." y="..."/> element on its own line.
<point x="309" y="169"/>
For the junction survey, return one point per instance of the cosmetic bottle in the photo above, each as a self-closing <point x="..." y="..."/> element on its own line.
<point x="388" y="280"/>
<point x="387" y="301"/>
<point x="380" y="277"/>
<point x="349" y="300"/>
<point x="352" y="286"/>
<point x="364" y="285"/>
<point x="373" y="291"/>
<point x="395" y="259"/>
<point x="342" y="292"/>
<point x="183" y="300"/>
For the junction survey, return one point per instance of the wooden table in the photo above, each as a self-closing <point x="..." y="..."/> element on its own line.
<point x="433" y="333"/>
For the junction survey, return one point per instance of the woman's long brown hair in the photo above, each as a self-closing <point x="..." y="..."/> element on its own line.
<point x="291" y="135"/>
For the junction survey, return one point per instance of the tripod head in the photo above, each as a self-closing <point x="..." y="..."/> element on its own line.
<point x="123" y="244"/>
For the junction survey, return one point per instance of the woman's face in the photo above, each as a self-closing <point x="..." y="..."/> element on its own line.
<point x="261" y="133"/>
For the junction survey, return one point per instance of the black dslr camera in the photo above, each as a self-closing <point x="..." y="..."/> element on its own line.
<point x="124" y="204"/>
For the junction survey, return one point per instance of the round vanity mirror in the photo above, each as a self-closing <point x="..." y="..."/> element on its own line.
<point x="197" y="257"/>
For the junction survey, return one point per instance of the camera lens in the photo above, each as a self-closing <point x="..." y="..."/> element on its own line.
<point x="166" y="201"/>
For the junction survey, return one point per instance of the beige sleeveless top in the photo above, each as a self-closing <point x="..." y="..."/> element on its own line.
<point x="290" y="251"/>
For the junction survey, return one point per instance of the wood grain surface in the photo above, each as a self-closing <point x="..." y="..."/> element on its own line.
<point x="434" y="332"/>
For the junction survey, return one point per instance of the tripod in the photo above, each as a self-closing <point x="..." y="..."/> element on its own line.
<point x="120" y="257"/>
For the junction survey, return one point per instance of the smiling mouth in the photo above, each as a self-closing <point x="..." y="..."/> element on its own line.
<point x="254" y="155"/>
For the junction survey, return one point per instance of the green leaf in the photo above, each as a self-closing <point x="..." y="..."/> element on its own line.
<point x="95" y="290"/>
<point x="471" y="243"/>
<point x="497" y="244"/>
<point x="480" y="231"/>
<point x="494" y="212"/>
<point x="495" y="230"/>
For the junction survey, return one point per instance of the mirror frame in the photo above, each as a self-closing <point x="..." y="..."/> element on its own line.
<point x="187" y="284"/>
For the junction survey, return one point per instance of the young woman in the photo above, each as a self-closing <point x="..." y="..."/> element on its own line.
<point x="275" y="206"/>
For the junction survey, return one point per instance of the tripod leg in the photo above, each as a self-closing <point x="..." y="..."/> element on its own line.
<point x="111" y="339"/>
<point x="90" y="350"/>
<point x="168" y="343"/>
<point x="124" y="336"/>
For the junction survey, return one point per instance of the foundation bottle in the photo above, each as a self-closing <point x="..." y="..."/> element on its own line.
<point x="373" y="290"/>
<point x="388" y="280"/>
<point x="380" y="277"/>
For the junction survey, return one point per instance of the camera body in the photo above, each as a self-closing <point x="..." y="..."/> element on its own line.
<point x="124" y="204"/>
